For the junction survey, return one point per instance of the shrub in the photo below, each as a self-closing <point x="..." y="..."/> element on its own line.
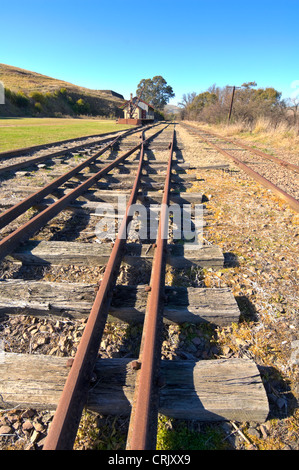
<point x="38" y="97"/>
<point x="159" y="116"/>
<point x="61" y="93"/>
<point x="81" y="107"/>
<point x="19" y="99"/>
<point x="38" y="107"/>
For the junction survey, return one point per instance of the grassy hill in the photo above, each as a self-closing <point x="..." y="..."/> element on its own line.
<point x="32" y="94"/>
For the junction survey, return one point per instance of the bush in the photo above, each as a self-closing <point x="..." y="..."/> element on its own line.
<point x="81" y="107"/>
<point x="19" y="99"/>
<point x="159" y="116"/>
<point x="60" y="93"/>
<point x="38" y="107"/>
<point x="38" y="97"/>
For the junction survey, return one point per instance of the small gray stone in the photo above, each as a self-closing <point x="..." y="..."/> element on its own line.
<point x="186" y="355"/>
<point x="27" y="426"/>
<point x="281" y="402"/>
<point x="38" y="426"/>
<point x="196" y="340"/>
<point x="6" y="430"/>
<point x="27" y="414"/>
<point x="254" y="432"/>
<point x="294" y="359"/>
<point x="22" y="173"/>
<point x="191" y="348"/>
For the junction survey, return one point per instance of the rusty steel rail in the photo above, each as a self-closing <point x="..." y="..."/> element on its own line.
<point x="293" y="203"/>
<point x="23" y="233"/>
<point x="279" y="161"/>
<point x="35" y="160"/>
<point x="142" y="428"/>
<point x="34" y="148"/>
<point x="19" y="208"/>
<point x="66" y="420"/>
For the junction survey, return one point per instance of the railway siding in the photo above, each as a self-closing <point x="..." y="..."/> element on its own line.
<point x="201" y="305"/>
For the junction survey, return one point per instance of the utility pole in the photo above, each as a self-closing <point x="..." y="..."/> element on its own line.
<point x="232" y="101"/>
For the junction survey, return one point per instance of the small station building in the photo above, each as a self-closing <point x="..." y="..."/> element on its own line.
<point x="136" y="112"/>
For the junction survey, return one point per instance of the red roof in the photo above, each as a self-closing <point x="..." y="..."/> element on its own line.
<point x="147" y="104"/>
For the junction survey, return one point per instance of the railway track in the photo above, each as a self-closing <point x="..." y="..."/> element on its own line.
<point x="31" y="157"/>
<point x="154" y="171"/>
<point x="252" y="162"/>
<point x="27" y="151"/>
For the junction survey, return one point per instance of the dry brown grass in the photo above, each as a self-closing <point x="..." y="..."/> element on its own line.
<point x="283" y="136"/>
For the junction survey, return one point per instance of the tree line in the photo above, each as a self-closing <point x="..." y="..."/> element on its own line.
<point x="247" y="104"/>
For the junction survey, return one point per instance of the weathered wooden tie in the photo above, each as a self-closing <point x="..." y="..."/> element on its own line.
<point x="95" y="254"/>
<point x="91" y="205"/>
<point x="206" y="390"/>
<point x="74" y="300"/>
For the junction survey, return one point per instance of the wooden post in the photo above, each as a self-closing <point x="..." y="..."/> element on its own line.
<point x="231" y="104"/>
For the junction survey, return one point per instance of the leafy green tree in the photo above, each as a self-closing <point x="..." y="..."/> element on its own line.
<point x="249" y="84"/>
<point x="250" y="103"/>
<point x="203" y="99"/>
<point x="192" y="104"/>
<point x="269" y="95"/>
<point x="155" y="91"/>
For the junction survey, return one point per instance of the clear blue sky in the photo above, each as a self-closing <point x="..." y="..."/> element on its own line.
<point x="114" y="44"/>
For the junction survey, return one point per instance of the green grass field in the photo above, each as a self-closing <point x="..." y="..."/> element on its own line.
<point x="25" y="132"/>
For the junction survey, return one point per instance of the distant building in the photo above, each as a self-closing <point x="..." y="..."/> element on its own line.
<point x="137" y="111"/>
